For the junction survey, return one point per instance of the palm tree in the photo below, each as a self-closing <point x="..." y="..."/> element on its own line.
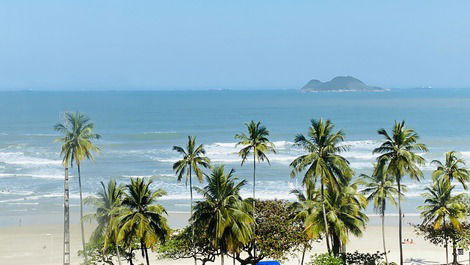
<point x="380" y="188"/>
<point x="77" y="145"/>
<point x="107" y="205"/>
<point x="141" y="219"/>
<point x="398" y="153"/>
<point x="305" y="201"/>
<point x="344" y="213"/>
<point x="303" y="207"/>
<point x="193" y="158"/>
<point x="258" y="144"/>
<point x="441" y="208"/>
<point x="452" y="168"/>
<point x="223" y="213"/>
<point x="322" y="161"/>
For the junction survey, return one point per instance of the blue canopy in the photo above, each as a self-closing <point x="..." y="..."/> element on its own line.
<point x="269" y="262"/>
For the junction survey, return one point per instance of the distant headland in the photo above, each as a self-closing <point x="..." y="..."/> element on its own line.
<point x="340" y="84"/>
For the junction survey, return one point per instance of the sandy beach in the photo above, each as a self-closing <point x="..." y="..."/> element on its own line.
<point x="42" y="245"/>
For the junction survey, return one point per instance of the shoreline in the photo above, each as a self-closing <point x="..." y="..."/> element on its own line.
<point x="176" y="219"/>
<point x="44" y="245"/>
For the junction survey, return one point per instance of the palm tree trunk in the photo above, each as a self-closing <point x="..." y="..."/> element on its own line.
<point x="336" y="244"/>
<point x="191" y="210"/>
<point x="383" y="233"/>
<point x="303" y="255"/>
<point x="254" y="203"/>
<point x="400" y="221"/>
<point x="447" y="251"/>
<point x="146" y="254"/>
<point x="343" y="248"/>
<point x="446" y="244"/>
<point x="130" y="258"/>
<point x="66" y="219"/>
<point x="118" y="254"/>
<point x="81" y="213"/>
<point x="324" y="217"/>
<point x="454" y="252"/>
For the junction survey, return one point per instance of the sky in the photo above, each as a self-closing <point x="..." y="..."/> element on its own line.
<point x="243" y="44"/>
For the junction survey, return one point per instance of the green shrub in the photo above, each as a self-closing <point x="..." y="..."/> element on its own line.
<point x="326" y="259"/>
<point x="357" y="258"/>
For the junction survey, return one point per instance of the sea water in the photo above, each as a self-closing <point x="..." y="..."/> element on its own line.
<point x="139" y="129"/>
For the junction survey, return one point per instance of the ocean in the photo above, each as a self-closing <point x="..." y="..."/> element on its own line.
<point x="139" y="128"/>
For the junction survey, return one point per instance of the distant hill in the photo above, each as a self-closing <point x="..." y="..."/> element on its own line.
<point x="339" y="84"/>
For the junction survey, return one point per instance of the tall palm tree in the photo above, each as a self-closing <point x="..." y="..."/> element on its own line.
<point x="107" y="205"/>
<point x="441" y="208"/>
<point x="322" y="161"/>
<point x="344" y="213"/>
<point x="256" y="143"/>
<point x="77" y="145"/>
<point x="452" y="168"/>
<point x="380" y="188"/>
<point x="223" y="213"/>
<point x="141" y="219"/>
<point x="399" y="153"/>
<point x="193" y="158"/>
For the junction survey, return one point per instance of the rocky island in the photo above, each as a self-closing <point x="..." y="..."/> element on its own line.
<point x="340" y="84"/>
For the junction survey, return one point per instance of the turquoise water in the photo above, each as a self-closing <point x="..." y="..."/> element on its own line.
<point x="139" y="129"/>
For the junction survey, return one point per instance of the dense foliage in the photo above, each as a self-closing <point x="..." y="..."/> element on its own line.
<point x="326" y="259"/>
<point x="445" y="214"/>
<point x="183" y="245"/>
<point x="357" y="258"/>
<point x="277" y="233"/>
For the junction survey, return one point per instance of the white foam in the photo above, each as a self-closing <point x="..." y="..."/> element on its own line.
<point x="43" y="134"/>
<point x="136" y="176"/>
<point x="465" y="155"/>
<point x="227" y="152"/>
<point x="19" y="193"/>
<point x="23" y="203"/>
<point x="19" y="158"/>
<point x="74" y="196"/>
<point x="41" y="176"/>
<point x="362" y="165"/>
<point x="160" y="132"/>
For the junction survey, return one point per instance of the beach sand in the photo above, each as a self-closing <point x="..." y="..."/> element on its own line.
<point x="42" y="245"/>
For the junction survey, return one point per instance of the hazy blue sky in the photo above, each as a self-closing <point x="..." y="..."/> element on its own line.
<point x="110" y="44"/>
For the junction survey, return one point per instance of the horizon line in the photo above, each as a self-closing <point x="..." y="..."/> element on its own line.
<point x="211" y="89"/>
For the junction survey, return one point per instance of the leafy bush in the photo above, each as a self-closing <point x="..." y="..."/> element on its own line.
<point x="278" y="235"/>
<point x="182" y="246"/>
<point x="357" y="258"/>
<point x="326" y="259"/>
